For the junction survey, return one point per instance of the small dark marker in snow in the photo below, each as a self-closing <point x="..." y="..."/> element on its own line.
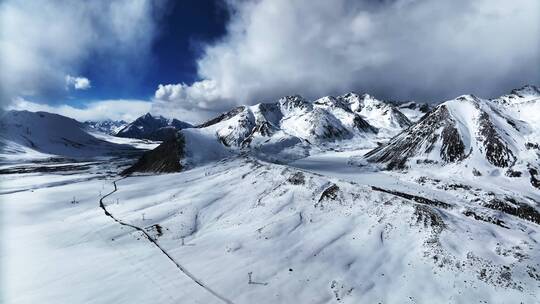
<point x="290" y="269"/>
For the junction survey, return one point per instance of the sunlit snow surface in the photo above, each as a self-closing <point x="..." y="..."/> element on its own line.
<point x="318" y="225"/>
<point x="311" y="232"/>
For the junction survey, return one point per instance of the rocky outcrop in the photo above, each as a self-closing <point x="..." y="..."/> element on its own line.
<point x="165" y="158"/>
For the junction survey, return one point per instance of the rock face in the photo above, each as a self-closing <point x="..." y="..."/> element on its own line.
<point x="111" y="127"/>
<point x="153" y="128"/>
<point x="470" y="131"/>
<point x="165" y="158"/>
<point x="438" y="129"/>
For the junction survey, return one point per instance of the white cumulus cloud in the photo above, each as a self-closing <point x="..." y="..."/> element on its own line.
<point x="78" y="83"/>
<point x="403" y="49"/>
<point x="41" y="41"/>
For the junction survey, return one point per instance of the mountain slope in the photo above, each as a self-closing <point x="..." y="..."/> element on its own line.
<point x="24" y="132"/>
<point x="384" y="116"/>
<point x="110" y="127"/>
<point x="479" y="136"/>
<point x="165" y="158"/>
<point x="292" y="126"/>
<point x="413" y="110"/>
<point x="153" y="128"/>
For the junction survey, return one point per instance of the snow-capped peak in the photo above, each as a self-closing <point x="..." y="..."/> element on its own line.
<point x="108" y="126"/>
<point x="384" y="116"/>
<point x="527" y="90"/>
<point x="152" y="127"/>
<point x="467" y="131"/>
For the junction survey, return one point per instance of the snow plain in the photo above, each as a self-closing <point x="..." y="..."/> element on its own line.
<point x="301" y="242"/>
<point x="317" y="225"/>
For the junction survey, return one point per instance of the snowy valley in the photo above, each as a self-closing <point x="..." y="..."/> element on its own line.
<point x="342" y="199"/>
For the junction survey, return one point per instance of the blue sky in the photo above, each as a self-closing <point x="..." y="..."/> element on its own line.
<point x="193" y="59"/>
<point x="183" y="28"/>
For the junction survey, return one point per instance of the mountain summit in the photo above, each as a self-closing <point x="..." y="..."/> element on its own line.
<point x="153" y="128"/>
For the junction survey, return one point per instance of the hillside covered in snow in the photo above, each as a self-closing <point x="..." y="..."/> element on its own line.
<point x="36" y="134"/>
<point x="345" y="199"/>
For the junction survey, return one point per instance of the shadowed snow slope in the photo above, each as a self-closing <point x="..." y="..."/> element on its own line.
<point x="27" y="132"/>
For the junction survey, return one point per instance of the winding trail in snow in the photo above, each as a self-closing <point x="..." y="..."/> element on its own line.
<point x="149" y="238"/>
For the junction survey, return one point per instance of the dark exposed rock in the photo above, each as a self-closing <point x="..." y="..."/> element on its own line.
<point x="428" y="218"/>
<point x="496" y="151"/>
<point x="485" y="218"/>
<point x="535" y="181"/>
<point x="165" y="158"/>
<point x="513" y="207"/>
<point x="330" y="193"/>
<point x="530" y="145"/>
<point x="264" y="129"/>
<point x="421" y="139"/>
<point x="513" y="173"/>
<point x="415" y="198"/>
<point x="297" y="178"/>
<point x="452" y="149"/>
<point x="362" y="125"/>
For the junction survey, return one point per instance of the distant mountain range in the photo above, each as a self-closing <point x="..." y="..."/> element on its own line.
<point x="353" y="195"/>
<point x="468" y="132"/>
<point x="152" y="127"/>
<point x="33" y="133"/>
<point x="111" y="127"/>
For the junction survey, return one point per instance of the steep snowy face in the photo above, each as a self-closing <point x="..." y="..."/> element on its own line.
<point x="291" y="119"/>
<point x="413" y="110"/>
<point x="111" y="127"/>
<point x="466" y="129"/>
<point x="522" y="95"/>
<point x="315" y="126"/>
<point x="24" y="132"/>
<point x="384" y="116"/>
<point x="233" y="131"/>
<point x="295" y="104"/>
<point x="340" y="109"/>
<point x="153" y="127"/>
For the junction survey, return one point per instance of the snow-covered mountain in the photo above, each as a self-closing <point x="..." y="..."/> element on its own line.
<point x="384" y="116"/>
<point x="152" y="127"/>
<point x="108" y="126"/>
<point x="31" y="133"/>
<point x="463" y="218"/>
<point x="413" y="110"/>
<point x="473" y="135"/>
<point x="292" y="126"/>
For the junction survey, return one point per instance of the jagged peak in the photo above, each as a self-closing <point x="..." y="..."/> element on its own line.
<point x="467" y="97"/>
<point x="528" y="89"/>
<point x="292" y="98"/>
